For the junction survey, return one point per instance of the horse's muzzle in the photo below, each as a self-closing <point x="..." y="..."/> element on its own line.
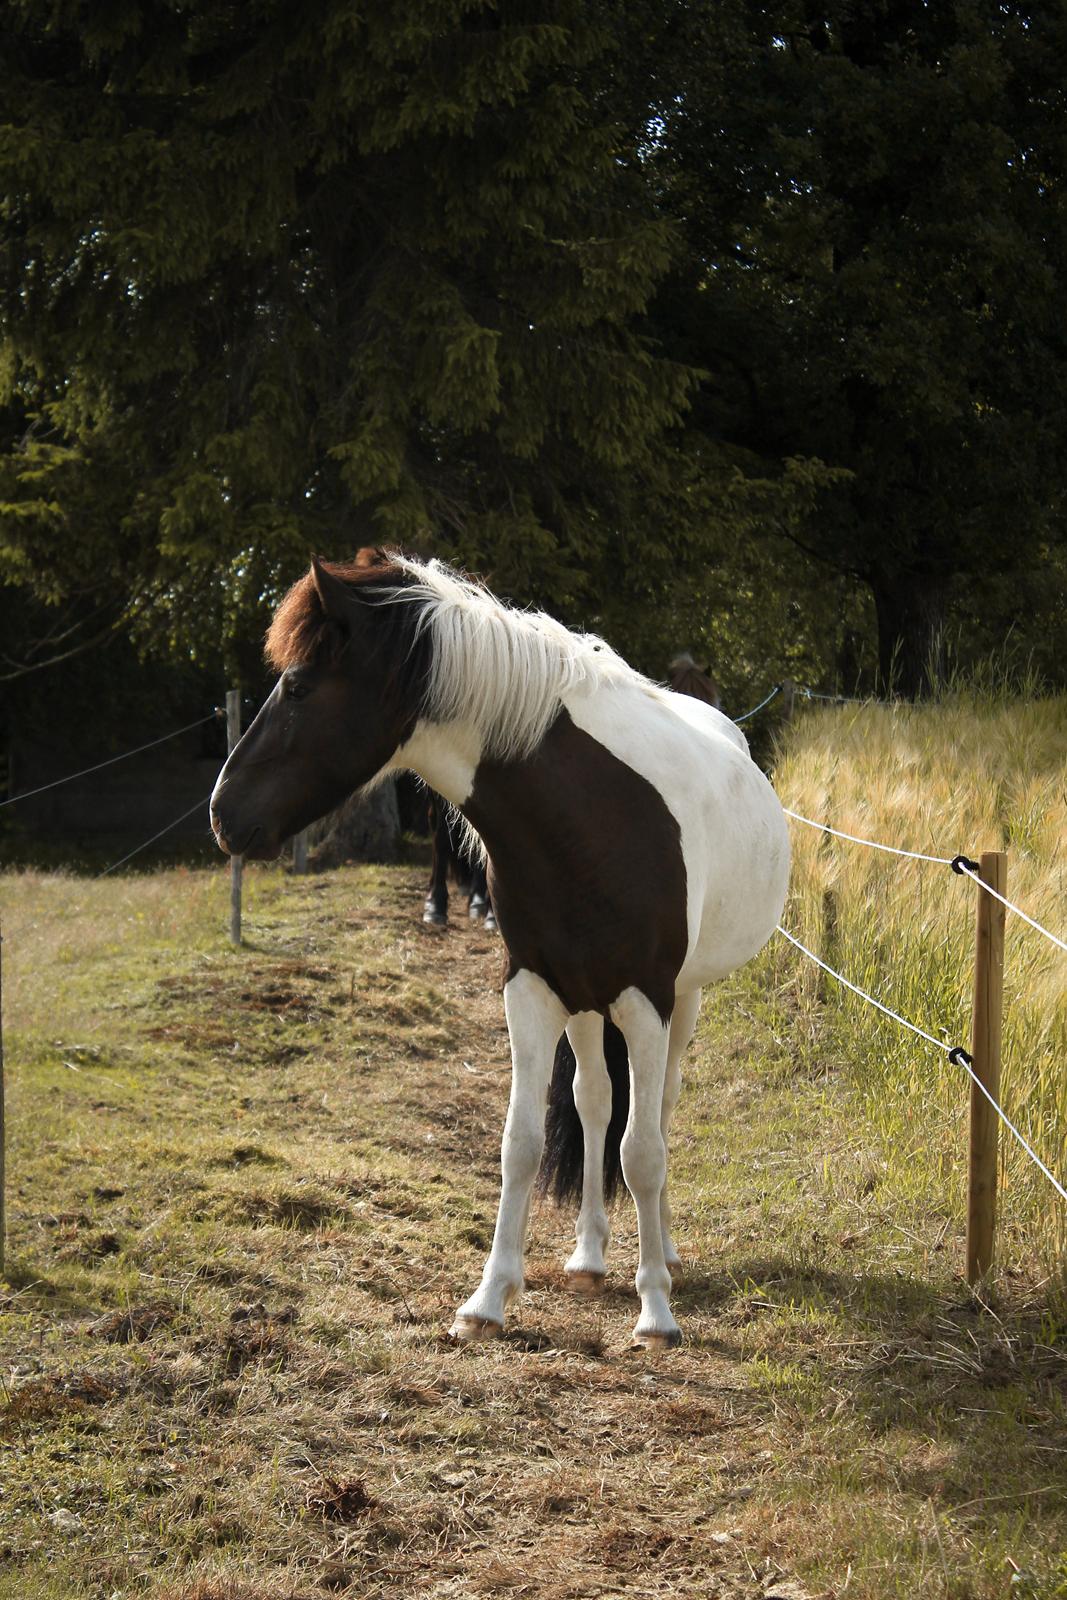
<point x="254" y="844"/>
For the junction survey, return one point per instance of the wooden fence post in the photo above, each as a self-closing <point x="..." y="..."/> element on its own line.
<point x="233" y="733"/>
<point x="300" y="852"/>
<point x="985" y="1051"/>
<point x="789" y="690"/>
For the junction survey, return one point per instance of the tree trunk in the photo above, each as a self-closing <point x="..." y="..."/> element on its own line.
<point x="364" y="828"/>
<point x="910" y="609"/>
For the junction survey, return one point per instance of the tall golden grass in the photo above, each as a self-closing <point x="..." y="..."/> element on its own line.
<point x="972" y="773"/>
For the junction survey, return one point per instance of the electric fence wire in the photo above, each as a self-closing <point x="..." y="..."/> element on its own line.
<point x="959" y="864"/>
<point x="110" y="762"/>
<point x="838" y="699"/>
<point x="968" y="873"/>
<point x="956" y="1054"/>
<point x="776" y="690"/>
<point x="153" y="839"/>
<point x="943" y="861"/>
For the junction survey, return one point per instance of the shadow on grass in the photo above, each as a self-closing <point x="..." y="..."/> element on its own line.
<point x="973" y="1397"/>
<point x="24" y="1289"/>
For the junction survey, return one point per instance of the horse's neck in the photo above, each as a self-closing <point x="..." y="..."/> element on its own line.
<point x="445" y="755"/>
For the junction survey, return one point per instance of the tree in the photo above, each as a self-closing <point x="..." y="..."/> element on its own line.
<point x="873" y="200"/>
<point x="284" y="278"/>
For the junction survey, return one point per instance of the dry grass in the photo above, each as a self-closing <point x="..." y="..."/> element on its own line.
<point x="248" y="1189"/>
<point x="967" y="775"/>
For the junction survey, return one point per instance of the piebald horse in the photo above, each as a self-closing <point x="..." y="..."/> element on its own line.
<point x="636" y="853"/>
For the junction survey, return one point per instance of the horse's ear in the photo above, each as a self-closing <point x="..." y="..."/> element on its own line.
<point x="334" y="596"/>
<point x="372" y="555"/>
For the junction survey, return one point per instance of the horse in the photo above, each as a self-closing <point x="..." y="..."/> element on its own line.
<point x="685" y="677"/>
<point x="453" y="855"/>
<point x="636" y="853"/>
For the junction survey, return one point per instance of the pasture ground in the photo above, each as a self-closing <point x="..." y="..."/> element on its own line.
<point x="247" y="1190"/>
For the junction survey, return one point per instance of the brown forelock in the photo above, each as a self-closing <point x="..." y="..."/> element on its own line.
<point x="299" y="625"/>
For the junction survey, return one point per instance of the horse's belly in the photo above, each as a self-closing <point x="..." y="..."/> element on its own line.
<point x="735" y="841"/>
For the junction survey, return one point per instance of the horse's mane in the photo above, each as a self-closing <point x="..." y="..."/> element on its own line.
<point x="503" y="670"/>
<point x="299" y="627"/>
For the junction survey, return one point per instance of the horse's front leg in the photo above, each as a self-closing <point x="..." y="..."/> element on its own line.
<point x="536" y="1018"/>
<point x="644" y="1161"/>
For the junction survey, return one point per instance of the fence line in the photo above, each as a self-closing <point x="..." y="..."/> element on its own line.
<point x="960" y="864"/>
<point x="154" y="837"/>
<point x="110" y="762"/>
<point x="776" y="690"/>
<point x="944" y="861"/>
<point x="840" y="699"/>
<point x="810" y="694"/>
<point x="956" y="1054"/>
<point x="966" y="871"/>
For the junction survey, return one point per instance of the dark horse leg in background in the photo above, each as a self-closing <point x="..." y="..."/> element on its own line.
<point x="435" y="911"/>
<point x="449" y="856"/>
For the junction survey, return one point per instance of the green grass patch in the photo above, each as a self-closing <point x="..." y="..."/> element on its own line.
<point x="247" y="1189"/>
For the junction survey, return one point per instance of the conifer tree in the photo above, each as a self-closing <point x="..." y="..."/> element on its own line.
<point x="283" y="277"/>
<point x="874" y="200"/>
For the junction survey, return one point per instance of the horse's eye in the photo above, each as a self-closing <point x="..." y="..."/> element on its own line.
<point x="295" y="690"/>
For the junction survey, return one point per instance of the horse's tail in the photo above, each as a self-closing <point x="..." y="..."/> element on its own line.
<point x="561" y="1165"/>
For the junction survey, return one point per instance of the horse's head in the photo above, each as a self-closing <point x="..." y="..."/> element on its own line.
<point x="352" y="666"/>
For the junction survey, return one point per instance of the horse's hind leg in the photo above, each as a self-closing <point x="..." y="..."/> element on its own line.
<point x="478" y="902"/>
<point x="592" y="1098"/>
<point x="644" y="1161"/>
<point x="683" y="1021"/>
<point x="536" y="1018"/>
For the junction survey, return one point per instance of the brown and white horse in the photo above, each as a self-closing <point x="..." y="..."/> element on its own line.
<point x="635" y="853"/>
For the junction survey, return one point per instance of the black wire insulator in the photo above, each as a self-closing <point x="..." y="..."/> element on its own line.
<point x="960" y="1057"/>
<point x="959" y="862"/>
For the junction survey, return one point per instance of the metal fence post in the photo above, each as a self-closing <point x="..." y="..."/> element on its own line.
<point x="233" y="733"/>
<point x="985" y="1051"/>
<point x="300" y="852"/>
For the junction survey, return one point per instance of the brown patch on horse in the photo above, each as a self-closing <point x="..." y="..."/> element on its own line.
<point x="595" y="903"/>
<point x="300" y="626"/>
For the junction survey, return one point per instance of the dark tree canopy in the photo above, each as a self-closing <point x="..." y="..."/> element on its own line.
<point x="711" y="324"/>
<point x="281" y="278"/>
<point x="875" y="214"/>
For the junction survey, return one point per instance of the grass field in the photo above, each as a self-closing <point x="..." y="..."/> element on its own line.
<point x="247" y="1190"/>
<point x="968" y="775"/>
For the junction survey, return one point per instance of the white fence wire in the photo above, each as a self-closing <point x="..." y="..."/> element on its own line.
<point x="956" y="1054"/>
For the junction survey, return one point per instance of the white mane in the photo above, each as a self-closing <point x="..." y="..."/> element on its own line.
<point x="504" y="671"/>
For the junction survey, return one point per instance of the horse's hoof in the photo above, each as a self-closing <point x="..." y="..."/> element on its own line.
<point x="473" y="1330"/>
<point x="476" y="909"/>
<point x="434" y="919"/>
<point x="657" y="1341"/>
<point x="587" y="1283"/>
<point x="490" y="923"/>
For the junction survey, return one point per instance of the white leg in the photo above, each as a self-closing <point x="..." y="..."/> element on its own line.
<point x="592" y="1099"/>
<point x="684" y="1020"/>
<point x="644" y="1161"/>
<point x="536" y="1018"/>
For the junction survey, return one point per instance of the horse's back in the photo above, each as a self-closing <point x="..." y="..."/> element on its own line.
<point x="734" y="837"/>
<point x="704" y="718"/>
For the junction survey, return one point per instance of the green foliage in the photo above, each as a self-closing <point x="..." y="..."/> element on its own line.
<point x="873" y="201"/>
<point x="706" y="324"/>
<point x="286" y="279"/>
